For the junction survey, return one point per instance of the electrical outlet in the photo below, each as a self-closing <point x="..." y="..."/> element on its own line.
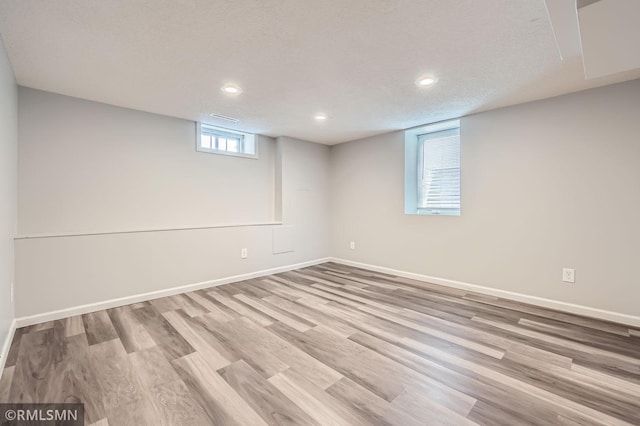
<point x="568" y="275"/>
<point x="244" y="253"/>
<point x="352" y="245"/>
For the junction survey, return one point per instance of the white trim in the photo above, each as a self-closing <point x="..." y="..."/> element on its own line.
<point x="533" y="300"/>
<point x="135" y="231"/>
<point x="7" y="345"/>
<point x="519" y="297"/>
<point x="113" y="303"/>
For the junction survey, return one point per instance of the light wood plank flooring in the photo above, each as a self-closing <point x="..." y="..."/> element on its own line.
<point x="331" y="345"/>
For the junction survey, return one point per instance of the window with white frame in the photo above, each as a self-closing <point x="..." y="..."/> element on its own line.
<point x="227" y="142"/>
<point x="432" y="170"/>
<point x="439" y="172"/>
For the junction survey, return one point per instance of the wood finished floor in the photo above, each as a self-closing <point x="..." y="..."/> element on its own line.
<point x="330" y="345"/>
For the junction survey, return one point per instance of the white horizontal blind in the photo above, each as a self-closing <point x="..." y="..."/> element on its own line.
<point x="439" y="174"/>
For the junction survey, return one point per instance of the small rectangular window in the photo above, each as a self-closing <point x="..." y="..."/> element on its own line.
<point x="216" y="140"/>
<point x="432" y="169"/>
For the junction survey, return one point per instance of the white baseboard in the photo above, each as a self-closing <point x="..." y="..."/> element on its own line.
<point x="6" y="345"/>
<point x="113" y="303"/>
<point x="519" y="297"/>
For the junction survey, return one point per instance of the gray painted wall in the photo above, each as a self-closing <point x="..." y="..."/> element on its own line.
<point x="142" y="171"/>
<point x="305" y="193"/>
<point x="545" y="185"/>
<point x="85" y="166"/>
<point x="8" y="176"/>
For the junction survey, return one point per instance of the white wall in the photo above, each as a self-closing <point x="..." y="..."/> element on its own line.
<point x="8" y="175"/>
<point x="90" y="167"/>
<point x="142" y="171"/>
<point x="545" y="185"/>
<point x="305" y="194"/>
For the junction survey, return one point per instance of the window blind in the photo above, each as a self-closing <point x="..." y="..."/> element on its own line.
<point x="439" y="172"/>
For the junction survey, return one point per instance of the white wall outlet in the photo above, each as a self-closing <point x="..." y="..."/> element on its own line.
<point x="568" y="275"/>
<point x="352" y="245"/>
<point x="244" y="253"/>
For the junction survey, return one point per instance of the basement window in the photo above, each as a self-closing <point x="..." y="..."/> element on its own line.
<point x="216" y="140"/>
<point x="432" y="169"/>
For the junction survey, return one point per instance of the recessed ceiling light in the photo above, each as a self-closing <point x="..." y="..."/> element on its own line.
<point x="231" y="89"/>
<point x="320" y="117"/>
<point x="425" y="81"/>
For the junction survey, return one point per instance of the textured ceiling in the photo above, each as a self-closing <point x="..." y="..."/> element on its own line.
<point x="354" y="60"/>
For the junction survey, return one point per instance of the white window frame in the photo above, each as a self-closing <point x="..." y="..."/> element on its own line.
<point x="414" y="168"/>
<point x="244" y="138"/>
